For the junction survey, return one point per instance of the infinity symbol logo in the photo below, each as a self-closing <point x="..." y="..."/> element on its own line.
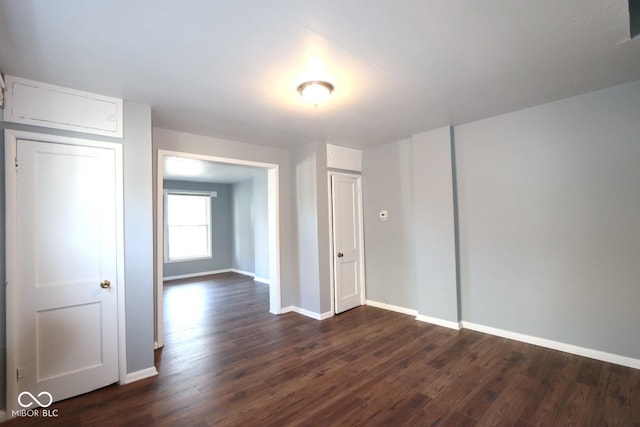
<point x="43" y="404"/>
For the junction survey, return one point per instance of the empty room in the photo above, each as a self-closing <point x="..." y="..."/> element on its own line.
<point x="332" y="213"/>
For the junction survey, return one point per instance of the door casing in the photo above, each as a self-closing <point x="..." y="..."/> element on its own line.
<point x="11" y="140"/>
<point x="273" y="197"/>
<point x="332" y="267"/>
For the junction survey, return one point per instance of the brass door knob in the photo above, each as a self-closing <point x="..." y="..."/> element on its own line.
<point x="105" y="284"/>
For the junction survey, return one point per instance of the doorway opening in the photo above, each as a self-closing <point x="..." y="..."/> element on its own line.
<point x="174" y="165"/>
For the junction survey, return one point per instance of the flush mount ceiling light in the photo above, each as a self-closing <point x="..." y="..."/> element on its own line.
<point x="315" y="92"/>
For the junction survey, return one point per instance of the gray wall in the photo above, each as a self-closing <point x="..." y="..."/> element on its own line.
<point x="138" y="238"/>
<point x="306" y="226"/>
<point x="221" y="230"/>
<point x="434" y="225"/>
<point x="251" y="225"/>
<point x="310" y="192"/>
<point x="548" y="227"/>
<point x="389" y="245"/>
<point x="190" y="143"/>
<point x="324" y="247"/>
<point x="549" y="202"/>
<point x="3" y="277"/>
<point x="138" y="233"/>
<point x="243" y="227"/>
<point x="261" y="224"/>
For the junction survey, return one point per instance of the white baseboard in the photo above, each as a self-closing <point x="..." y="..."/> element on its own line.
<point x="411" y="312"/>
<point x="391" y="307"/>
<point x="439" y="322"/>
<point x="191" y="275"/>
<point x="326" y="315"/>
<point x="542" y="342"/>
<point x="140" y="375"/>
<point x="556" y="345"/>
<point x="250" y="274"/>
<point x="210" y="273"/>
<point x="307" y="313"/>
<point x="246" y="273"/>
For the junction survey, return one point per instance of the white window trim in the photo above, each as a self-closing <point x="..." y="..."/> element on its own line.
<point x="211" y="194"/>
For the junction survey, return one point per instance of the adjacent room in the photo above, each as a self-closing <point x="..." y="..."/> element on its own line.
<point x="320" y="212"/>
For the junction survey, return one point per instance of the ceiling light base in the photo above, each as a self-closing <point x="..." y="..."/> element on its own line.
<point x="316" y="91"/>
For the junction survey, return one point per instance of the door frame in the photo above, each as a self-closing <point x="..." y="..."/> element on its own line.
<point x="273" y="203"/>
<point x="332" y="269"/>
<point x="11" y="137"/>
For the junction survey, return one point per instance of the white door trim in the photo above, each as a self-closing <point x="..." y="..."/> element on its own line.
<point x="363" y="297"/>
<point x="11" y="138"/>
<point x="273" y="196"/>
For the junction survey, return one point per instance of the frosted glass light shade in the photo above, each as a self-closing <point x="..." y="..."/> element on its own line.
<point x="315" y="92"/>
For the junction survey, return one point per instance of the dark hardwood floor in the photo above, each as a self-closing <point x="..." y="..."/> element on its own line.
<point x="228" y="362"/>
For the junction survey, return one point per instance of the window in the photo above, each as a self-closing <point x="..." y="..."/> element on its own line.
<point x="187" y="220"/>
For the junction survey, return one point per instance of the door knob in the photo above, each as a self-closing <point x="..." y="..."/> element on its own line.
<point x="105" y="284"/>
<point x="340" y="254"/>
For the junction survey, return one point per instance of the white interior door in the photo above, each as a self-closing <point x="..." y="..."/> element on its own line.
<point x="65" y="279"/>
<point x="347" y="240"/>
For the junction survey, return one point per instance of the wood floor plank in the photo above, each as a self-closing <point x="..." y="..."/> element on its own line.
<point x="614" y="393"/>
<point x="228" y="362"/>
<point x="634" y="396"/>
<point x="456" y="419"/>
<point x="545" y="401"/>
<point x="506" y="409"/>
<point x="488" y="393"/>
<point x="576" y="407"/>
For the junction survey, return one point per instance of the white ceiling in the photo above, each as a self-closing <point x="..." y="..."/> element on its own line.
<point x="196" y="170"/>
<point x="230" y="68"/>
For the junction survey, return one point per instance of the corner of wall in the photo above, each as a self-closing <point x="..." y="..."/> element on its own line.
<point x="435" y="226"/>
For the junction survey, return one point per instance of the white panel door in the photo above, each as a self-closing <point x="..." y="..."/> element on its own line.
<point x="345" y="202"/>
<point x="66" y="274"/>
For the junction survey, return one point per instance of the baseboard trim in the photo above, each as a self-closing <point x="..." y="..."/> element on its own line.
<point x="306" y="313"/>
<point x="140" y="375"/>
<point x="391" y="307"/>
<point x="326" y="315"/>
<point x="191" y="275"/>
<point x="556" y="345"/>
<point x="246" y="273"/>
<point x="255" y="278"/>
<point x="541" y="342"/>
<point x="210" y="273"/>
<point x="439" y="322"/>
